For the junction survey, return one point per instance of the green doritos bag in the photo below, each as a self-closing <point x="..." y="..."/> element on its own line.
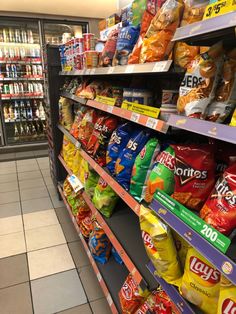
<point x="104" y="198"/>
<point x="91" y="180"/>
<point x="162" y="174"/>
<point x="142" y="167"/>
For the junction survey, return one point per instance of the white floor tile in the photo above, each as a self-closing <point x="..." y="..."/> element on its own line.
<point x="40" y="219"/>
<point x="44" y="237"/>
<point x="29" y="175"/>
<point x="12" y="244"/>
<point x="7" y="170"/>
<point x="11" y="225"/>
<point x="25" y="168"/>
<point x="49" y="261"/>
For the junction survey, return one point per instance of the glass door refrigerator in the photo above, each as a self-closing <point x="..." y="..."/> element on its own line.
<point x="21" y="83"/>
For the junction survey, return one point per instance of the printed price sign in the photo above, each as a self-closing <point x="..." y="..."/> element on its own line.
<point x="77" y="145"/>
<point x="218" y="8"/>
<point x="109" y="109"/>
<point x="159" y="66"/>
<point x="151" y="123"/>
<point x="110" y="70"/>
<point x="92" y="71"/>
<point x="134" y="117"/>
<point x="129" y="69"/>
<point x="75" y="183"/>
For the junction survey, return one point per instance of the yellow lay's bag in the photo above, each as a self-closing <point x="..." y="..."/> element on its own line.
<point x="227" y="299"/>
<point x="182" y="247"/>
<point x="83" y="169"/>
<point x="160" y="246"/>
<point x="200" y="282"/>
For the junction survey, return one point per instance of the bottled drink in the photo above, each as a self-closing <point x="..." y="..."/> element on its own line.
<point x="22" y="131"/>
<point x="22" y="53"/>
<point x="13" y="71"/>
<point x="17" y="36"/>
<point x="6" y="89"/>
<point x="11" y="112"/>
<point x="16" y="89"/>
<point x="1" y="36"/>
<point x="24" y="36"/>
<point x="5" y="35"/>
<point x="11" y="53"/>
<point x="6" y="52"/>
<point x="41" y="111"/>
<point x="40" y="88"/>
<point x="34" y="70"/>
<point x="17" y="53"/>
<point x="6" y="112"/>
<point x="11" y="35"/>
<point x="30" y="36"/>
<point x="32" y="52"/>
<point x="1" y="54"/>
<point x="39" y="70"/>
<point x="21" y="88"/>
<point x="16" y="111"/>
<point x="34" y="109"/>
<point x="30" y="88"/>
<point x="8" y="70"/>
<point x="11" y="89"/>
<point x="29" y="110"/>
<point x="28" y="70"/>
<point x="16" y="133"/>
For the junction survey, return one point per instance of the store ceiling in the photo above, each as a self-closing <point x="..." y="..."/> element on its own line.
<point x="80" y="8"/>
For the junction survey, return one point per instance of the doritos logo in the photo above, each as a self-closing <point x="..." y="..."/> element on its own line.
<point x="203" y="270"/>
<point x="224" y="191"/>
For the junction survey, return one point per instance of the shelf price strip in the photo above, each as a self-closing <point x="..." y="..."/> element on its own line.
<point x="95" y="268"/>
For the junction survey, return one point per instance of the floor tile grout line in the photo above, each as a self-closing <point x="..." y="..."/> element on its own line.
<point x="16" y="284"/>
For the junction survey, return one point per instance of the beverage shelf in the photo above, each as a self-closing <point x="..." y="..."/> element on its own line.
<point x="21" y="79"/>
<point x="19" y="62"/>
<point x="24" y="120"/>
<point x="20" y="97"/>
<point x="111" y="276"/>
<point x="141" y="119"/>
<point x="3" y="43"/>
<point x="152" y="67"/>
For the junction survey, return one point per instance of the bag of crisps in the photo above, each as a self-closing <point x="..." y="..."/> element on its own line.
<point x="67" y="189"/>
<point x="104" y="198"/>
<point x="193" y="12"/>
<point x="160" y="247"/>
<point x="91" y="180"/>
<point x="227" y="298"/>
<point x="201" y="282"/>
<point x="95" y="133"/>
<point x="65" y="113"/>
<point x="157" y="41"/>
<point x="162" y="174"/>
<point x="75" y="166"/>
<point x="194" y="174"/>
<point x="140" y="171"/>
<point x="84" y="221"/>
<point x="126" y="159"/>
<point x="77" y="120"/>
<point x="86" y="126"/>
<point x="182" y="247"/>
<point x="219" y="209"/>
<point x="225" y="98"/>
<point x="83" y="169"/>
<point x="198" y="86"/>
<point x="233" y="119"/>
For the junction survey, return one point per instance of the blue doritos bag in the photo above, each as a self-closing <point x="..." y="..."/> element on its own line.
<point x="117" y="143"/>
<point x="116" y="256"/>
<point x="125" y="161"/>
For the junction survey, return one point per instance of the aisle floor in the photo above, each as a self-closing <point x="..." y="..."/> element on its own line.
<point x="43" y="266"/>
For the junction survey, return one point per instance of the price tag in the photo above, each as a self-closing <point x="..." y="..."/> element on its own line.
<point x="218" y="8"/>
<point x="87" y="72"/>
<point x="109" y="300"/>
<point x="92" y="71"/>
<point x="129" y="68"/>
<point x="109" y="109"/>
<point x="99" y="277"/>
<point x="77" y="145"/>
<point x="75" y="183"/>
<point x="134" y="117"/>
<point x="110" y="70"/>
<point x="151" y="123"/>
<point x="159" y="66"/>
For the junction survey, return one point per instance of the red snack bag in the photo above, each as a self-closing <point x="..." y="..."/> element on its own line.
<point x="77" y="120"/>
<point x="219" y="210"/>
<point x="130" y="296"/>
<point x="194" y="174"/>
<point x="86" y="126"/>
<point x="95" y="134"/>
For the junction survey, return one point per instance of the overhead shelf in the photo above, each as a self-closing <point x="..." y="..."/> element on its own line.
<point x="20" y="97"/>
<point x="209" y="31"/>
<point x="146" y="68"/>
<point x="21" y="79"/>
<point x="19" y="62"/>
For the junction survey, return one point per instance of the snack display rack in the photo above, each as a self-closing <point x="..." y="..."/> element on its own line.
<point x="128" y="243"/>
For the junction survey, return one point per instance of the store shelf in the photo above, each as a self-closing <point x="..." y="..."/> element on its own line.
<point x="21" y="79"/>
<point x="182" y="305"/>
<point x="80" y="100"/>
<point x="208" y="31"/>
<point x="211" y="129"/>
<point x="110" y="276"/>
<point x="19" y="62"/>
<point x="146" y="68"/>
<point x="24" y="120"/>
<point x="222" y="262"/>
<point x="20" y="97"/>
<point x="3" y="43"/>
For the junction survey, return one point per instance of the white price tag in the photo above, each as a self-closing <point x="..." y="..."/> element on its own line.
<point x="151" y="123"/>
<point x="99" y="277"/>
<point x="109" y="109"/>
<point x="109" y="300"/>
<point x="77" y="145"/>
<point x="87" y="72"/>
<point x="110" y="70"/>
<point x="159" y="66"/>
<point x="75" y="183"/>
<point x="129" y="68"/>
<point x="92" y="71"/>
<point x="134" y="117"/>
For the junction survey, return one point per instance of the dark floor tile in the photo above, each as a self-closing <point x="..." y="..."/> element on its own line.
<point x="63" y="215"/>
<point x="81" y="309"/>
<point x="9" y="197"/>
<point x="13" y="270"/>
<point x="78" y="253"/>
<point x="10" y="209"/>
<point x="100" y="307"/>
<point x="7" y="156"/>
<point x="90" y="283"/>
<point x="34" y="205"/>
<point x="70" y="232"/>
<point x="16" y="300"/>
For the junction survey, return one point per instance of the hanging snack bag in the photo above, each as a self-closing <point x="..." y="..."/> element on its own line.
<point x="76" y="162"/>
<point x="95" y="134"/>
<point x="193" y="12"/>
<point x="182" y="247"/>
<point x="157" y="41"/>
<point x="201" y="282"/>
<point x="160" y="246"/>
<point x="109" y="49"/>
<point x="92" y="90"/>
<point x="117" y="143"/>
<point x="198" y="86"/>
<point x="104" y="198"/>
<point x="116" y="256"/>
<point x="100" y="147"/>
<point x="145" y="23"/>
<point x="126" y="159"/>
<point x="99" y="244"/>
<point x="142" y="165"/>
<point x="85" y="223"/>
<point x="194" y="174"/>
<point x="162" y="174"/>
<point x="138" y="8"/>
<point x="77" y="120"/>
<point x="233" y="119"/>
<point x="83" y="169"/>
<point x="227" y="298"/>
<point x="65" y="113"/>
<point x="131" y="296"/>
<point x="219" y="209"/>
<point x="86" y="126"/>
<point x="225" y="98"/>
<point x="91" y="180"/>
<point x="126" y="40"/>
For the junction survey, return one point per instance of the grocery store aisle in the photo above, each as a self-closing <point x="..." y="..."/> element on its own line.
<point x="43" y="266"/>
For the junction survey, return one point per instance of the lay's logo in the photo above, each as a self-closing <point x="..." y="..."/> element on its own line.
<point x="126" y="291"/>
<point x="148" y="241"/>
<point x="203" y="270"/>
<point x="228" y="307"/>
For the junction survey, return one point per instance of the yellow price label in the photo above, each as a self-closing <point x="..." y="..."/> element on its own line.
<point x="218" y="8"/>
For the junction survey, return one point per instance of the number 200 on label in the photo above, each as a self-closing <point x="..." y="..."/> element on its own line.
<point x="209" y="233"/>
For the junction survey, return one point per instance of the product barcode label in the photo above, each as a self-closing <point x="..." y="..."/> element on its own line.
<point x="134" y="117"/>
<point x="109" y="109"/>
<point x="129" y="68"/>
<point x="75" y="183"/>
<point x="159" y="66"/>
<point x="110" y="70"/>
<point x="109" y="300"/>
<point x="77" y="145"/>
<point x="151" y="123"/>
<point x="87" y="72"/>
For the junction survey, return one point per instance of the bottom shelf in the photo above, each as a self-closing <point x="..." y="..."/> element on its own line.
<point x="111" y="276"/>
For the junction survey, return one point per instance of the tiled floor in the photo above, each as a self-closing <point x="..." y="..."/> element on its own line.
<point x="43" y="266"/>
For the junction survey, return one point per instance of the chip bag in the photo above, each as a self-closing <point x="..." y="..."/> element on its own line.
<point x="157" y="41"/>
<point x="140" y="171"/>
<point x="95" y="134"/>
<point x="227" y="298"/>
<point x="198" y="86"/>
<point x="162" y="174"/>
<point x="104" y="198"/>
<point x="99" y="244"/>
<point x="86" y="126"/>
<point x="126" y="159"/>
<point x="193" y="12"/>
<point x="65" y="113"/>
<point x="219" y="209"/>
<point x="116" y="256"/>
<point x="118" y="141"/>
<point x="76" y="162"/>
<point x="233" y="120"/>
<point x="194" y="174"/>
<point x="225" y="98"/>
<point x="77" y="120"/>
<point x="182" y="247"/>
<point x="109" y="49"/>
<point x="83" y="169"/>
<point x="91" y="180"/>
<point x="85" y="224"/>
<point x="92" y="90"/>
<point x="160" y="247"/>
<point x="201" y="282"/>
